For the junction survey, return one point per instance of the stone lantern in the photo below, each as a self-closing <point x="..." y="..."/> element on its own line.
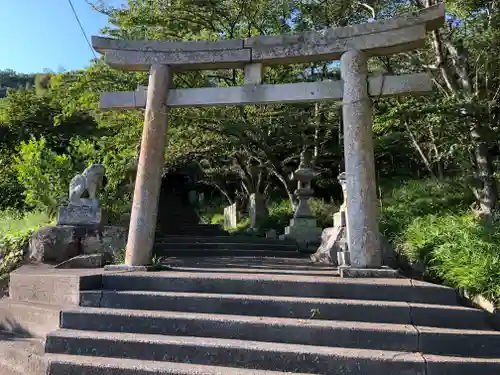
<point x="303" y="227"/>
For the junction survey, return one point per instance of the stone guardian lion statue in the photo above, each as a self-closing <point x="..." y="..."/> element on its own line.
<point x="83" y="187"/>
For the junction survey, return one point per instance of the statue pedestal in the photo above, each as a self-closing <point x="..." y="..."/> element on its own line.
<point x="303" y="230"/>
<point x="80" y="215"/>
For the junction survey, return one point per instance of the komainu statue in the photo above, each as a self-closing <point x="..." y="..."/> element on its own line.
<point x="83" y="187"/>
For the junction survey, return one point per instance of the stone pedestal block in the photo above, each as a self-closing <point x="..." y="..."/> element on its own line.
<point x="303" y="230"/>
<point x="81" y="215"/>
<point x="57" y="244"/>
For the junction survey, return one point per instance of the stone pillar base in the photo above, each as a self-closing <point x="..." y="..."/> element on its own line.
<point x="303" y="230"/>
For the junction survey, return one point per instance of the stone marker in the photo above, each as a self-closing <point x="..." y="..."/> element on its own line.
<point x="257" y="210"/>
<point x="231" y="216"/>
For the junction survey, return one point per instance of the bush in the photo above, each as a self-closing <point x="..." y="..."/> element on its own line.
<point x="429" y="222"/>
<point x="15" y="232"/>
<point x="44" y="174"/>
<point x="419" y="198"/>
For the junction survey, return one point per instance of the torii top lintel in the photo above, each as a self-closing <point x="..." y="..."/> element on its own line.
<point x="383" y="37"/>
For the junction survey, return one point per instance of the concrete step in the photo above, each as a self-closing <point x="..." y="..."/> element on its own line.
<point x="348" y="334"/>
<point x="61" y="364"/>
<point x="28" y="318"/>
<point x="188" y="252"/>
<point x="224" y="239"/>
<point x="266" y="329"/>
<point x="283" y="285"/>
<point x="251" y="265"/>
<point x="291" y="307"/>
<point x="21" y="355"/>
<point x="259" y="355"/>
<point x="235" y="353"/>
<point x="223" y="246"/>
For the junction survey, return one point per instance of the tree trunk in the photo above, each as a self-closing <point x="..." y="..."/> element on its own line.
<point x="487" y="193"/>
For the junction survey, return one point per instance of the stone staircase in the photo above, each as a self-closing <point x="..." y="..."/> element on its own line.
<point x="217" y="245"/>
<point x="242" y="316"/>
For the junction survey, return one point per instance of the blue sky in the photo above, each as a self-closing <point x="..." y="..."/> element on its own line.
<point x="44" y="34"/>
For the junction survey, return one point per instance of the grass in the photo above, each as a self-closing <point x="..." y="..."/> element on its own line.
<point x="430" y="222"/>
<point x="15" y="232"/>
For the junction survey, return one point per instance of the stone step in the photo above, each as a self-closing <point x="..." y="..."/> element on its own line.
<point x="21" y="355"/>
<point x="229" y="252"/>
<point x="348" y="334"/>
<point x="260" y="355"/>
<point x="252" y="265"/>
<point x="62" y="364"/>
<point x="28" y="318"/>
<point x="283" y="285"/>
<point x="194" y="230"/>
<point x="222" y="239"/>
<point x="253" y="328"/>
<point x="291" y="307"/>
<point x="223" y="245"/>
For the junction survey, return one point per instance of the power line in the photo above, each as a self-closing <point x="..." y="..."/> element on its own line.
<point x="81" y="28"/>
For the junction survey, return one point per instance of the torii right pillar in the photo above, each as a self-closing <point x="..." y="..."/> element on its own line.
<point x="362" y="212"/>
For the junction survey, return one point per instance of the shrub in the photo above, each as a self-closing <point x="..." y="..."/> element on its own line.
<point x="429" y="222"/>
<point x="280" y="213"/>
<point x="15" y="232"/>
<point x="419" y="198"/>
<point x="44" y="174"/>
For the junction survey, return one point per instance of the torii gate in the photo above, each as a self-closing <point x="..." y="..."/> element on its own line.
<point x="353" y="45"/>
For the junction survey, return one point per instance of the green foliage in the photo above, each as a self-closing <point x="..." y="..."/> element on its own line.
<point x="15" y="232"/>
<point x="458" y="249"/>
<point x="119" y="256"/>
<point x="418" y="198"/>
<point x="429" y="222"/>
<point x="280" y="213"/>
<point x="44" y="174"/>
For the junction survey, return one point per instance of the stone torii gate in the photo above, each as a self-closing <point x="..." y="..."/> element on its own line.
<point x="353" y="45"/>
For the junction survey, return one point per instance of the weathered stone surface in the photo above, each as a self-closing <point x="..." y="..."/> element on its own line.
<point x="83" y="187"/>
<point x="382" y="43"/>
<point x="432" y="18"/>
<point x="60" y="243"/>
<point x="179" y="60"/>
<point x="86" y="261"/>
<point x="253" y="74"/>
<point x="80" y="215"/>
<point x="378" y="38"/>
<point x="257" y="209"/>
<point x="144" y="213"/>
<point x="112" y="239"/>
<point x="102" y="44"/>
<point x="230" y="216"/>
<point x="419" y="83"/>
<point x="383" y="272"/>
<point x="327" y="251"/>
<point x="54" y="244"/>
<point x="362" y="210"/>
<point x="305" y="231"/>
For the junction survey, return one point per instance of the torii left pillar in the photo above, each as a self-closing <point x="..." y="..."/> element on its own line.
<point x="143" y="218"/>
